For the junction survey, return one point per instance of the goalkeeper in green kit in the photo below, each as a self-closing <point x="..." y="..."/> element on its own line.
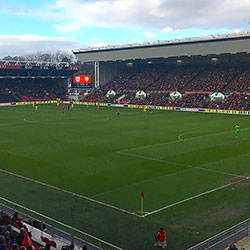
<point x="237" y="130"/>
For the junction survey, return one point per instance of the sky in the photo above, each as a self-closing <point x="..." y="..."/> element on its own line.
<point x="27" y="26"/>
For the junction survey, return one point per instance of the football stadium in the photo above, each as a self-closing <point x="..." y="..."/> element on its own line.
<point x="154" y="135"/>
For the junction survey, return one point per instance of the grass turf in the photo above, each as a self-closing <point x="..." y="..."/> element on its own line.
<point x="170" y="156"/>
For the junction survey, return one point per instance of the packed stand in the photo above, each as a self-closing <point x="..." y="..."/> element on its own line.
<point x="175" y="78"/>
<point x="155" y="98"/>
<point x="31" y="90"/>
<point x="138" y="78"/>
<point x="236" y="102"/>
<point x="128" y="83"/>
<point x="240" y="83"/>
<point x="191" y="100"/>
<point x="195" y="82"/>
<point x="213" y="79"/>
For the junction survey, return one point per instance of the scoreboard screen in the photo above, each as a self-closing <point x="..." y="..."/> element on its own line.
<point x="82" y="81"/>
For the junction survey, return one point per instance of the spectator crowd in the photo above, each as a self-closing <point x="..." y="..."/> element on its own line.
<point x="14" y="235"/>
<point x="31" y="90"/>
<point x="10" y="239"/>
<point x="195" y="82"/>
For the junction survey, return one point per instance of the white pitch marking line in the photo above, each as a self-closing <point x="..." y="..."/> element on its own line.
<point x="173" y="173"/>
<point x="189" y="166"/>
<point x="122" y="152"/>
<point x="25" y="120"/>
<point x="188" y="139"/>
<point x="71" y="193"/>
<point x="44" y="121"/>
<point x="191" y="198"/>
<point x="222" y="172"/>
<point x="191" y="132"/>
<point x="138" y="183"/>
<point x="154" y="159"/>
<point x="179" y="136"/>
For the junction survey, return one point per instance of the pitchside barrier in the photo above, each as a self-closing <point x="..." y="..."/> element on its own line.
<point x="225" y="238"/>
<point x="165" y="108"/>
<point x="26" y="103"/>
<point x="58" y="232"/>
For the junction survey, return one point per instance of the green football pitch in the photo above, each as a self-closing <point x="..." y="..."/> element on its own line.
<point x="192" y="170"/>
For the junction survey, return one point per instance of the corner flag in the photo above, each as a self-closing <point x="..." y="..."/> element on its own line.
<point x="142" y="199"/>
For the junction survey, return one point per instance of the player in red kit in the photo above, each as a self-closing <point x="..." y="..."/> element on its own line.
<point x="118" y="112"/>
<point x="63" y="109"/>
<point x="150" y="110"/>
<point x="97" y="106"/>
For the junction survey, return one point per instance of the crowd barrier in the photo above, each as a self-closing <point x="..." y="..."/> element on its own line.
<point x="202" y="110"/>
<point x="56" y="230"/>
<point x="219" y="111"/>
<point x="224" y="239"/>
<point x="25" y="103"/>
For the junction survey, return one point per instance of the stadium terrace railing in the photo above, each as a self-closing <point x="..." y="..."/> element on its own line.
<point x="225" y="238"/>
<point x="58" y="229"/>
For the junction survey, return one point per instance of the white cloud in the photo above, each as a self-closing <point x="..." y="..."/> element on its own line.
<point x="156" y="14"/>
<point x="149" y="34"/>
<point x="167" y="29"/>
<point x="58" y="27"/>
<point x="97" y="45"/>
<point x="135" y="40"/>
<point x="16" y="45"/>
<point x="163" y="15"/>
<point x="67" y="27"/>
<point x="97" y="42"/>
<point x="93" y="39"/>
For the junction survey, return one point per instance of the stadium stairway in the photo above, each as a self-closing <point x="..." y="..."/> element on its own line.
<point x="154" y="81"/>
<point x="192" y="79"/>
<point x="121" y="97"/>
<point x="16" y="97"/>
<point x="236" y="77"/>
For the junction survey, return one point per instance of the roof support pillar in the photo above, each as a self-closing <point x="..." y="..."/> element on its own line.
<point x="97" y="75"/>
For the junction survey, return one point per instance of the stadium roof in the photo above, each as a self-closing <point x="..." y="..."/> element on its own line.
<point x="34" y="63"/>
<point x="206" y="45"/>
<point x="32" y="69"/>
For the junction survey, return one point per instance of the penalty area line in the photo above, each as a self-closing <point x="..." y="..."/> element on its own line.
<point x="179" y="139"/>
<point x="189" y="167"/>
<point x="191" y="198"/>
<point x="169" y="174"/>
<point x="71" y="193"/>
<point x="25" y="120"/>
<point x="190" y="132"/>
<point x="154" y="159"/>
